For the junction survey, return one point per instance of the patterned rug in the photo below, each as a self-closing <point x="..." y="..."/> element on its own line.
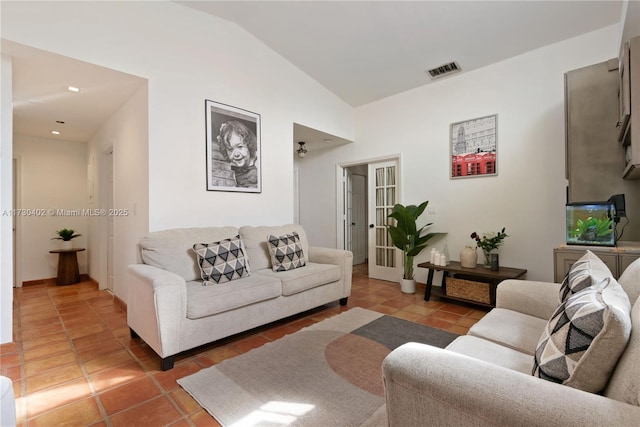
<point x="328" y="374"/>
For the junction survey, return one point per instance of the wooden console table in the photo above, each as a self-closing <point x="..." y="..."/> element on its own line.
<point x="479" y="273"/>
<point x="68" y="272"/>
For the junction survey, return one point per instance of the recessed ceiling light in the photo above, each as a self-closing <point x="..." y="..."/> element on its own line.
<point x="55" y="132"/>
<point x="73" y="89"/>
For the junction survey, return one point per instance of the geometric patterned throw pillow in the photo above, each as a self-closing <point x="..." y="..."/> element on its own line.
<point x="286" y="252"/>
<point x="222" y="261"/>
<point x="584" y="338"/>
<point x="588" y="271"/>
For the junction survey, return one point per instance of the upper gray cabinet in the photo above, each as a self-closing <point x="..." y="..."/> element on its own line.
<point x="629" y="117"/>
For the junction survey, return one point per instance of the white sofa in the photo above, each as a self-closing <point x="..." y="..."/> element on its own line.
<point x="485" y="377"/>
<point x="170" y="309"/>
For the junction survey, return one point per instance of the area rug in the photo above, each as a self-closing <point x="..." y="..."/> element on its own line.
<point x="328" y="374"/>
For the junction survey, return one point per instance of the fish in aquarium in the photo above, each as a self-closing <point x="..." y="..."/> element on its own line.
<point x="590" y="223"/>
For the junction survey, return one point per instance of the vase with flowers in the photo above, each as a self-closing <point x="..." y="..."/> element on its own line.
<point x="489" y="242"/>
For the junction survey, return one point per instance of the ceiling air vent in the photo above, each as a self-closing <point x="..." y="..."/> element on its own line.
<point x="444" y="70"/>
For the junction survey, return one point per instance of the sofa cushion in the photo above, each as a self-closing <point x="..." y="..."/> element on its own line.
<point x="286" y="252"/>
<point x="510" y="328"/>
<point x="630" y="281"/>
<point x="221" y="262"/>
<point x="491" y="352"/>
<point x="205" y="301"/>
<point x="587" y="271"/>
<point x="585" y="337"/>
<point x="624" y="384"/>
<point x="172" y="250"/>
<point x="301" y="279"/>
<point x="255" y="241"/>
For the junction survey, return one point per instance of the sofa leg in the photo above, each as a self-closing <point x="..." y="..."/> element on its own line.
<point x="343" y="301"/>
<point x="133" y="333"/>
<point x="167" y="363"/>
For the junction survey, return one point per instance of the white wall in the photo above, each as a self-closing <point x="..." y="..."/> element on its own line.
<point x="6" y="202"/>
<point x="126" y="135"/>
<point x="53" y="180"/>
<point x="528" y="195"/>
<point x="189" y="56"/>
<point x="202" y="57"/>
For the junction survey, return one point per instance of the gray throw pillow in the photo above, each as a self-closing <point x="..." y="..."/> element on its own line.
<point x="222" y="261"/>
<point x="286" y="252"/>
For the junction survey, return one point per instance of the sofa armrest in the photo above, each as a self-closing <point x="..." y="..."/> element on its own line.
<point x="339" y="257"/>
<point x="156" y="306"/>
<point x="425" y="384"/>
<point x="539" y="299"/>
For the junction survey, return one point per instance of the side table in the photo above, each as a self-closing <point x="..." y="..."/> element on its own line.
<point x="482" y="274"/>
<point x="68" y="272"/>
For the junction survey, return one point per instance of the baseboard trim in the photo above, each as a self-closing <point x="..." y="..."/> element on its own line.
<point x="120" y="303"/>
<point x="50" y="281"/>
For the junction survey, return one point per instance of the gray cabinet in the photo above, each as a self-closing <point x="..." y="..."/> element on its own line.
<point x="595" y="154"/>
<point x="629" y="94"/>
<point x="617" y="259"/>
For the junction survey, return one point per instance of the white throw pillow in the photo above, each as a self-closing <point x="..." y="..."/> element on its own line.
<point x="587" y="271"/>
<point x="584" y="338"/>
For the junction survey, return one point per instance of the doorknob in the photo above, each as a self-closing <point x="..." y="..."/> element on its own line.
<point x="371" y="225"/>
<point x="353" y="223"/>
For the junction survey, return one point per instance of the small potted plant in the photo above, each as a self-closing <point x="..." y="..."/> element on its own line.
<point x="406" y="236"/>
<point x="66" y="235"/>
<point x="489" y="242"/>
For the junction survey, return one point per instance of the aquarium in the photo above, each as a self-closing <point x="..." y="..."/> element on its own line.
<point x="591" y="224"/>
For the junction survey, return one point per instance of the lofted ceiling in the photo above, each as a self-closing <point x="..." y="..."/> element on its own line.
<point x="367" y="50"/>
<point x="361" y="51"/>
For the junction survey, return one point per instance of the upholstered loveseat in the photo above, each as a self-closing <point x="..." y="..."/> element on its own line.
<point x="172" y="310"/>
<point x="509" y="370"/>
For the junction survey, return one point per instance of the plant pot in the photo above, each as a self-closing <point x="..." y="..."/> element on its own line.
<point x="468" y="257"/>
<point x="66" y="244"/>
<point x="487" y="258"/>
<point x="408" y="286"/>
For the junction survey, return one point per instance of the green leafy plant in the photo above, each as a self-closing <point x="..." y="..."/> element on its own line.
<point x="490" y="241"/>
<point x="66" y="234"/>
<point x="406" y="236"/>
<point x="592" y="228"/>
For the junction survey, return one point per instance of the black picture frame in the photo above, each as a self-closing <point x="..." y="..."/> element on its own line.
<point x="233" y="149"/>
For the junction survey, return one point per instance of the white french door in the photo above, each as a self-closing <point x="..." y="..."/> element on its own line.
<point x="385" y="262"/>
<point x="348" y="210"/>
<point x="358" y="219"/>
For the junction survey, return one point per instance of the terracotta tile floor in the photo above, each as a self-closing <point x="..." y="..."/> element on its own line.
<point x="73" y="362"/>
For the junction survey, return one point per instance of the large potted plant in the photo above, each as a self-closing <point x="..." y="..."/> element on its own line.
<point x="406" y="236"/>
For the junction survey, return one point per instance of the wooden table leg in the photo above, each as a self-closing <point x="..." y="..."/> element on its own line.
<point x="427" y="289"/>
<point x="68" y="272"/>
<point x="443" y="284"/>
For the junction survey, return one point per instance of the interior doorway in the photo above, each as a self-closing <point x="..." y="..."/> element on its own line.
<point x="15" y="225"/>
<point x="356" y="213"/>
<point x="108" y="172"/>
<point x="367" y="192"/>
